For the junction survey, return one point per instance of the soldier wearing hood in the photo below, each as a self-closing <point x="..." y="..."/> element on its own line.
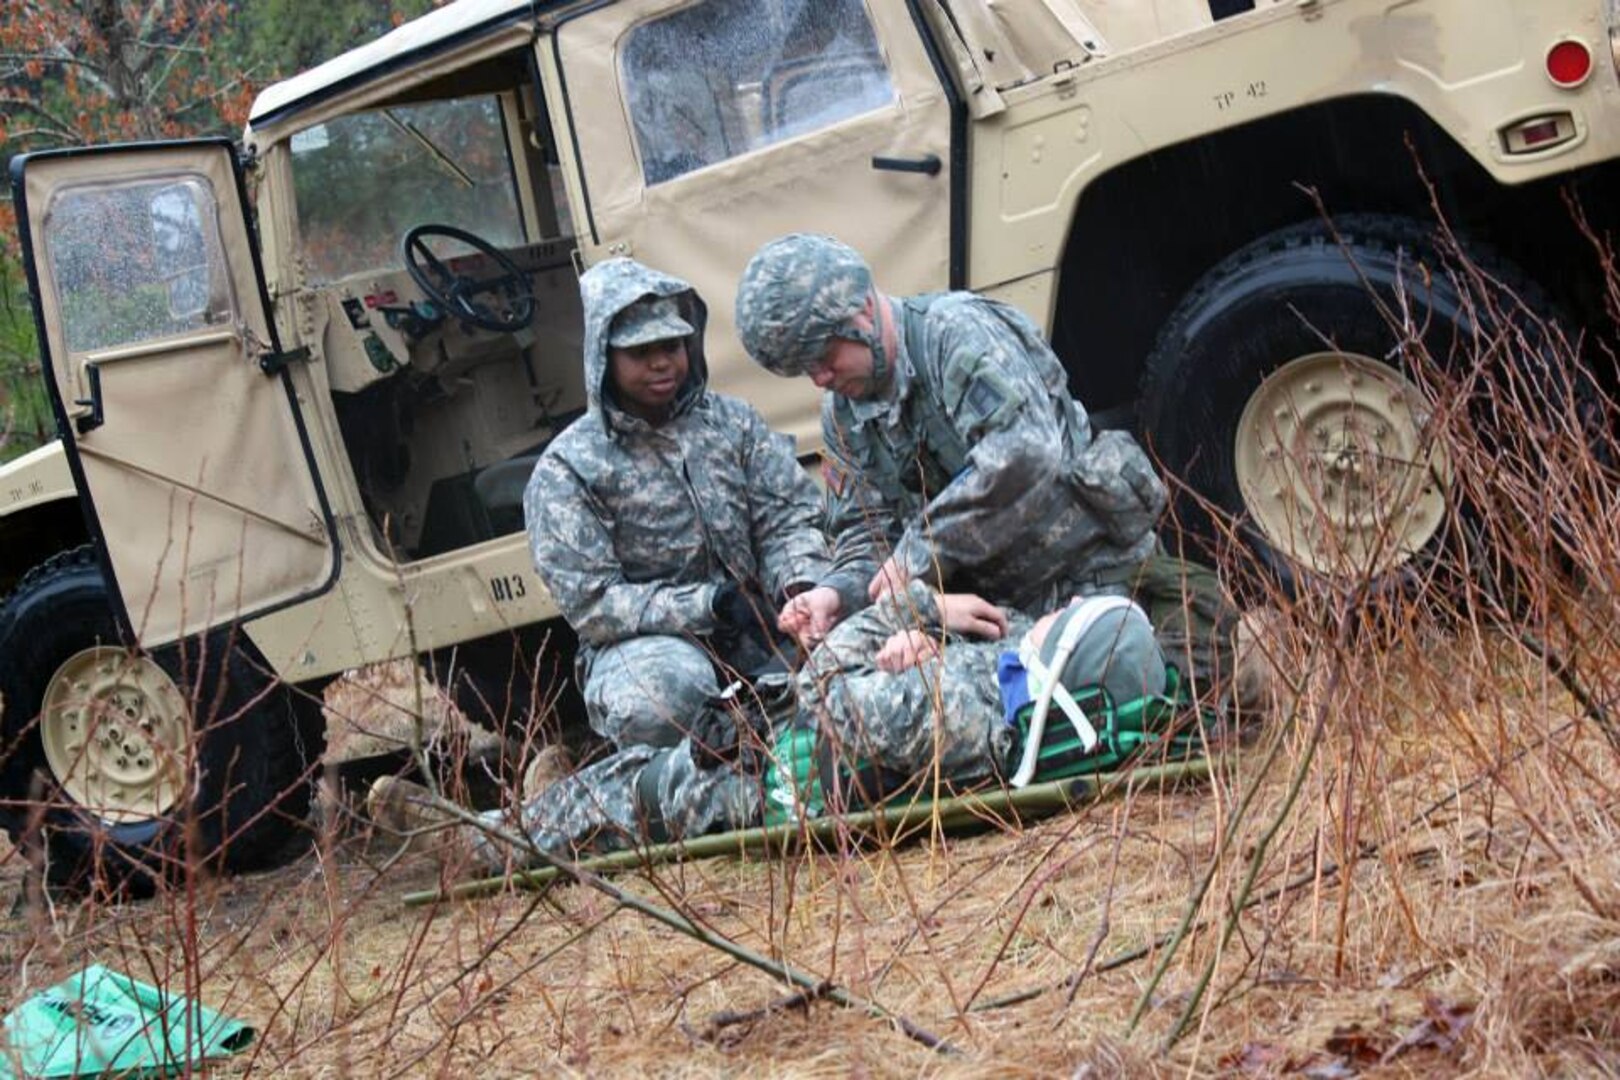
<point x="669" y="522"/>
<point x="956" y="455"/>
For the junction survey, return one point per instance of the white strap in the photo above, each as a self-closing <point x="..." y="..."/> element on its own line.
<point x="1049" y="686"/>
<point x="1065" y="701"/>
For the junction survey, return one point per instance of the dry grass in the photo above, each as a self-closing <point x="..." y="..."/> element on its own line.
<point x="374" y="712"/>
<point x="1463" y="914"/>
<point x="1413" y="871"/>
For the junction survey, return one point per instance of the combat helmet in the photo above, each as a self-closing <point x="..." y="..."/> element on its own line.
<point x="799" y="292"/>
<point x="1098" y="642"/>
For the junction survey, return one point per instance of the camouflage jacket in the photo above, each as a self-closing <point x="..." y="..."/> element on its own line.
<point x="633" y="527"/>
<point x="945" y="713"/>
<point x="977" y="469"/>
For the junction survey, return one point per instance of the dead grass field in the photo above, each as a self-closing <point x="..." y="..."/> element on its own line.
<point x="1466" y="943"/>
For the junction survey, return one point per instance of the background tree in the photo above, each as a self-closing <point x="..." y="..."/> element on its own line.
<point x="284" y="37"/>
<point x="79" y="72"/>
<point x="94" y="71"/>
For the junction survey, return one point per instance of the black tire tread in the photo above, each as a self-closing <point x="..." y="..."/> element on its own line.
<point x="1217" y="334"/>
<point x="259" y="766"/>
<point x="1388" y="235"/>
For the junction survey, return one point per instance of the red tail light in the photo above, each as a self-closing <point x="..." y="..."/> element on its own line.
<point x="1569" y="63"/>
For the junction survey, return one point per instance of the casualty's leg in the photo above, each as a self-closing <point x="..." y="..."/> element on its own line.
<point x="643" y="794"/>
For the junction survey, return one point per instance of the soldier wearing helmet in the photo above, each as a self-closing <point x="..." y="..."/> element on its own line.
<point x="956" y="454"/>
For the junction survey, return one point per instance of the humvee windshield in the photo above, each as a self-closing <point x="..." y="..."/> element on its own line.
<point x="451" y="366"/>
<point x="362" y="181"/>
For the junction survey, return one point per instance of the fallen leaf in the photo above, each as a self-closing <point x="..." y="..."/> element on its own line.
<point x="1356" y="1043"/>
<point x="1331" y="1069"/>
<point x="1441" y="1029"/>
<point x="1255" y="1057"/>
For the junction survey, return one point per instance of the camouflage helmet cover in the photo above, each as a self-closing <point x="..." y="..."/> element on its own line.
<point x="1108" y="642"/>
<point x="797" y="293"/>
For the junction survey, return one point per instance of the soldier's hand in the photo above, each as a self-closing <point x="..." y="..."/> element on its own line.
<point x="741" y="611"/>
<point x="906" y="649"/>
<point x="969" y="613"/>
<point x="811" y="615"/>
<point x="890" y="578"/>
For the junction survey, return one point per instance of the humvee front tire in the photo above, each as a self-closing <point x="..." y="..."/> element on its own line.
<point x="1276" y="392"/>
<point x="132" y="766"/>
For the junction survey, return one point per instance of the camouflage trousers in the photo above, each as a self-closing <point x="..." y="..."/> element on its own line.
<point x="939" y="721"/>
<point x="642" y="691"/>
<point x="636" y="795"/>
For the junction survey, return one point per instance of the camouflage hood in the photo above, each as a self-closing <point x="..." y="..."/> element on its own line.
<point x="607" y="289"/>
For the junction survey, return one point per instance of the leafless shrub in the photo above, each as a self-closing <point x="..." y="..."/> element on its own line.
<point x="1412" y="864"/>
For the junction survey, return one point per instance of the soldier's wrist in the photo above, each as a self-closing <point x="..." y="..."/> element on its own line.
<point x="792" y="589"/>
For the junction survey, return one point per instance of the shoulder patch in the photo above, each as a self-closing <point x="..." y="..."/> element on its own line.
<point x="989" y="398"/>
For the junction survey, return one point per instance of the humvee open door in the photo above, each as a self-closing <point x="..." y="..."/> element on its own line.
<point x="150" y="302"/>
<point x="156" y="719"/>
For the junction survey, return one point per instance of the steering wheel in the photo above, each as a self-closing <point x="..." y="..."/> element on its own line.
<point x="510" y="308"/>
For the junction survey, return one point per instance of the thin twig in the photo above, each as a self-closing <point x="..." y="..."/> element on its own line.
<point x="681" y="924"/>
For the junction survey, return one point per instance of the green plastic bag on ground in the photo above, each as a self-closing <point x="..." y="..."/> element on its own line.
<point x="102" y="1023"/>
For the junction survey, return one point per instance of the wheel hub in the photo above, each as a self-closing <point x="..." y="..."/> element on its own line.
<point x="1336" y="466"/>
<point x="114" y="730"/>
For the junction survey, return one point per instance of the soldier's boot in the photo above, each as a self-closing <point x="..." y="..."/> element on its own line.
<point x="1259" y="689"/>
<point x="550" y="765"/>
<point x="411" y="812"/>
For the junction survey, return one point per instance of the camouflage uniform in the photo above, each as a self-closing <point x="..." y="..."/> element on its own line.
<point x="973" y="466"/>
<point x="939" y="720"/>
<point x="946" y="711"/>
<point x="634" y="527"/>
<point x="634" y="795"/>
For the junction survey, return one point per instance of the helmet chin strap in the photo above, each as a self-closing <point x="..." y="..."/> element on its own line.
<point x="872" y="338"/>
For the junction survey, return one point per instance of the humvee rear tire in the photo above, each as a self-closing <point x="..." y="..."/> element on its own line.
<point x="1276" y="392"/>
<point x="131" y="766"/>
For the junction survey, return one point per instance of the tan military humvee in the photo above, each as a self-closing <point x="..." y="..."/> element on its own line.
<point x="301" y="381"/>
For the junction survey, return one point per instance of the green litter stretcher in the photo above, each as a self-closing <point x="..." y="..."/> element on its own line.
<point x="1099" y="748"/>
<point x="103" y="1023"/>
<point x="893" y="820"/>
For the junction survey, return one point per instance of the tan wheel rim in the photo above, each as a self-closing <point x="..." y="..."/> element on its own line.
<point x="1337" y="467"/>
<point x="114" y="728"/>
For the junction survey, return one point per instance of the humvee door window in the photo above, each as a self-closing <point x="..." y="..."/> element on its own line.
<point x="136" y="262"/>
<point x="363" y="181"/>
<point x="724" y="77"/>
